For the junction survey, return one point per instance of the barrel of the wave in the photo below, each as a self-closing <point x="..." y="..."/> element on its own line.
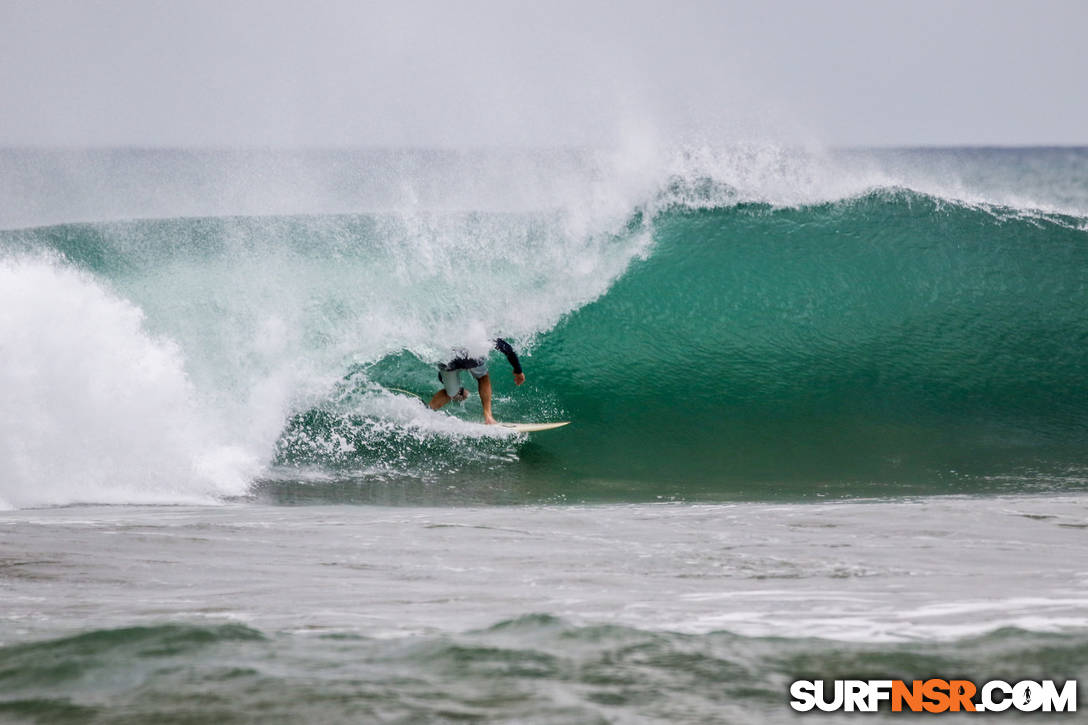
<point x="258" y="317"/>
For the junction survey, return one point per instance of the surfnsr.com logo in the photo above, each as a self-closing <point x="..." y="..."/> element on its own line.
<point x="933" y="695"/>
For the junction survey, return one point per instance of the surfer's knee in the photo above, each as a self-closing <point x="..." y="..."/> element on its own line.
<point x="438" y="400"/>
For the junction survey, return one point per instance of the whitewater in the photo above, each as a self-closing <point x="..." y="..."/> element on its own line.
<point x="828" y="416"/>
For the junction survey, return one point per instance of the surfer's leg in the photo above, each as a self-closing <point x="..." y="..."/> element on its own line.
<point x="485" y="398"/>
<point x="451" y="388"/>
<point x="440" y="398"/>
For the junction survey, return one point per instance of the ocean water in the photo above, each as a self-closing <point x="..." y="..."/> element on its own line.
<point x="828" y="408"/>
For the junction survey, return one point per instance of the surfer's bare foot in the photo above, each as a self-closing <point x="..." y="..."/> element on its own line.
<point x="490" y="420"/>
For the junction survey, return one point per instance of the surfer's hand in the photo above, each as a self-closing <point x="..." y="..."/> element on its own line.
<point x="519" y="378"/>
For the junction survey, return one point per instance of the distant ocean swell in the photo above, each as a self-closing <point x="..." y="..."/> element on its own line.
<point x="892" y="341"/>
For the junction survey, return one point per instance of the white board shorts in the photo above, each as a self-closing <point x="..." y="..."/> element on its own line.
<point x="451" y="379"/>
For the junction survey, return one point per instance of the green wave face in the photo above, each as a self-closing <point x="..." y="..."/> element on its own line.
<point x="889" y="343"/>
<point x="889" y="339"/>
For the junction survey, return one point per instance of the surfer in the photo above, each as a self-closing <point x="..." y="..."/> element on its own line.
<point x="449" y="374"/>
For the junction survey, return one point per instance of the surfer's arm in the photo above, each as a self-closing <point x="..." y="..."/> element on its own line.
<point x="512" y="357"/>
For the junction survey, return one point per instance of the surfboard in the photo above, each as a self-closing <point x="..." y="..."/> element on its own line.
<point x="533" y="427"/>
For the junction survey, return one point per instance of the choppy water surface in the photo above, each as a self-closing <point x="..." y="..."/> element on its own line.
<point x="543" y="614"/>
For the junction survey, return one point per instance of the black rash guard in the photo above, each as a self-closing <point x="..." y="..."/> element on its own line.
<point x="464" y="362"/>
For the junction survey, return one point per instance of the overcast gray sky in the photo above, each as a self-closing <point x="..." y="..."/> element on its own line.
<point x="276" y="73"/>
